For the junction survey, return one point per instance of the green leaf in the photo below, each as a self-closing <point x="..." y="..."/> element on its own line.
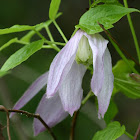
<point x="22" y="55"/>
<point x="8" y="43"/>
<point x="3" y="73"/>
<point x="111" y="112"/>
<point x="111" y="132"/>
<point x="54" y="6"/>
<point x="105" y="14"/>
<point x="16" y="28"/>
<point x="126" y="82"/>
<point x="116" y="2"/>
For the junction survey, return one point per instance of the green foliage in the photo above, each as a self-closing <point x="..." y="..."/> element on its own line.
<point x="8" y="43"/>
<point x="54" y="6"/>
<point x="111" y="132"/>
<point x="116" y="2"/>
<point x="123" y="80"/>
<point x="16" y="28"/>
<point x="22" y="55"/>
<point x="3" y="73"/>
<point x="105" y="14"/>
<point x="111" y="112"/>
<point x="29" y="35"/>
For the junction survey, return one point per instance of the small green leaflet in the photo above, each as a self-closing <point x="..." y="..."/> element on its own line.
<point x="16" y="28"/>
<point x="21" y="55"/>
<point x="54" y="6"/>
<point x="113" y="131"/>
<point x="106" y="14"/>
<point x="124" y="81"/>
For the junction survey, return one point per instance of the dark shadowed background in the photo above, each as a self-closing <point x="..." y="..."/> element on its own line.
<point x="13" y="85"/>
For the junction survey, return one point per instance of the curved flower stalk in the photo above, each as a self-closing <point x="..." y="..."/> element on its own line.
<point x="65" y="75"/>
<point x="50" y="110"/>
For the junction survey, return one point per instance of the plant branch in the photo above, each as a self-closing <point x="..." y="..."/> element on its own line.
<point x="37" y="116"/>
<point x="137" y="133"/>
<point x="72" y="134"/>
<point x="60" y="31"/>
<point x="119" y="49"/>
<point x="2" y="108"/>
<point x="133" y="31"/>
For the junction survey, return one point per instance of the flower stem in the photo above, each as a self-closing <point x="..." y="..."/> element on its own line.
<point x="133" y="31"/>
<point x="60" y="31"/>
<point x="129" y="135"/>
<point x="72" y="132"/>
<point x="87" y="97"/>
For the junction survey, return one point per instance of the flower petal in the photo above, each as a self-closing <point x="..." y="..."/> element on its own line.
<point x="70" y="90"/>
<point x="98" y="45"/>
<point x="51" y="111"/>
<point x="62" y="64"/>
<point x="105" y="94"/>
<point x="31" y="91"/>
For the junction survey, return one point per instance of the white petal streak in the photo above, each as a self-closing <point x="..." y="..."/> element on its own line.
<point x="36" y="86"/>
<point x="106" y="91"/>
<point x="98" y="45"/>
<point x="71" y="89"/>
<point x="62" y="64"/>
<point x="51" y="111"/>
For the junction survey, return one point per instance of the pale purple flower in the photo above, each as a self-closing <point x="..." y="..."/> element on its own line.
<point x="65" y="75"/>
<point x="50" y="110"/>
<point x="64" y="89"/>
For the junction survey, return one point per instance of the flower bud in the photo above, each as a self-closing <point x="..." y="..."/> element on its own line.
<point x="84" y="52"/>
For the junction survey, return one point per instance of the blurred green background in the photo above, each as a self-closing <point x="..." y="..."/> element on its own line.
<point x="13" y="85"/>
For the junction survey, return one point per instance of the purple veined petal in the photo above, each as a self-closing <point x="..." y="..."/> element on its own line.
<point x="98" y="45"/>
<point x="106" y="91"/>
<point x="70" y="91"/>
<point x="62" y="64"/>
<point x="36" y="86"/>
<point x="51" y="111"/>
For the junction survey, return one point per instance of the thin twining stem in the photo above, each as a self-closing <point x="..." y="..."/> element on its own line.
<point x="37" y="116"/>
<point x="123" y="50"/>
<point x="2" y="108"/>
<point x="133" y="31"/>
<point x="60" y="31"/>
<point x="137" y="133"/>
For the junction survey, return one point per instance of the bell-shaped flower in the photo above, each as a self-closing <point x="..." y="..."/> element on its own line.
<point x="65" y="75"/>
<point x="50" y="110"/>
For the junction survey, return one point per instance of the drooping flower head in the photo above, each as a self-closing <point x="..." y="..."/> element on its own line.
<point x="65" y="75"/>
<point x="64" y="90"/>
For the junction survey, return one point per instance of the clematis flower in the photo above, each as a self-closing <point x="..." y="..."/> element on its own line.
<point x="65" y="75"/>
<point x="64" y="80"/>
<point x="50" y="110"/>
